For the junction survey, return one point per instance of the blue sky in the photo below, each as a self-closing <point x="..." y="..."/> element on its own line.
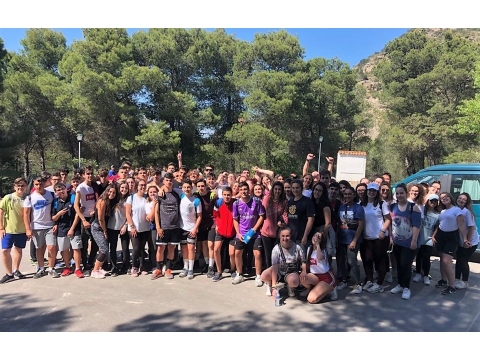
<point x="348" y="45"/>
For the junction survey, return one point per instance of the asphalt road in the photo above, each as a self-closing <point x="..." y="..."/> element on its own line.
<point x="129" y="304"/>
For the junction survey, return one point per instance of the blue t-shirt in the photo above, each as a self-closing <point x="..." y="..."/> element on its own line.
<point x="403" y="223"/>
<point x="348" y="217"/>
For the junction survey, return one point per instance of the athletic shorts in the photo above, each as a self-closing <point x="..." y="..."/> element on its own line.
<point x="44" y="237"/>
<point x="186" y="239"/>
<point x="170" y="236"/>
<point x="447" y="242"/>
<point x="19" y="240"/>
<point x="219" y="237"/>
<point x="206" y="235"/>
<point x="237" y="244"/>
<point x="283" y="278"/>
<point x="258" y="244"/>
<point x="328" y="278"/>
<point x="63" y="243"/>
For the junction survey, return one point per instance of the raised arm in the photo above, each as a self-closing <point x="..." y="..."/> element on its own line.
<point x="307" y="164"/>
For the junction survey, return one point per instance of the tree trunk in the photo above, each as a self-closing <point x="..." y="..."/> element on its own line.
<point x="42" y="156"/>
<point x="26" y="162"/>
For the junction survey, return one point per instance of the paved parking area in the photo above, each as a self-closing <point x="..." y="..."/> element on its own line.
<point x="139" y="304"/>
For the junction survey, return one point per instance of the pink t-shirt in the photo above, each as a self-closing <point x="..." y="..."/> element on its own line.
<point x="274" y="214"/>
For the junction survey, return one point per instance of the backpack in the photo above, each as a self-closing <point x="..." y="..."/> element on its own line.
<point x="291" y="268"/>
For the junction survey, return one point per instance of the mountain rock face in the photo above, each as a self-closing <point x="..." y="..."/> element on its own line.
<point x="372" y="85"/>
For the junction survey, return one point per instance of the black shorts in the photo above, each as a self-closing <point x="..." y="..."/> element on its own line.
<point x="170" y="236"/>
<point x="447" y="242"/>
<point x="258" y="244"/>
<point x="237" y="244"/>
<point x="219" y="237"/>
<point x="204" y="235"/>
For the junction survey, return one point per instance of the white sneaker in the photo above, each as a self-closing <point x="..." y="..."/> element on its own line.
<point x="406" y="294"/>
<point x="388" y="277"/>
<point x="426" y="280"/>
<point x="269" y="290"/>
<point x="367" y="285"/>
<point x="397" y="289"/>
<point x="238" y="279"/>
<point x="334" y="294"/>
<point x="459" y="284"/>
<point x="375" y="288"/>
<point x="258" y="281"/>
<point x="342" y="285"/>
<point x="357" y="289"/>
<point x="291" y="291"/>
<point x="417" y="277"/>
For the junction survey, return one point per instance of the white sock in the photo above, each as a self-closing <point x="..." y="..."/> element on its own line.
<point x="50" y="269"/>
<point x="258" y="277"/>
<point x="185" y="264"/>
<point x="211" y="262"/>
<point x="190" y="264"/>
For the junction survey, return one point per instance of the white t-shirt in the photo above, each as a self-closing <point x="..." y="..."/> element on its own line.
<point x="374" y="220"/>
<point x="319" y="266"/>
<point x="139" y="215"/>
<point x="118" y="218"/>
<point x="87" y="198"/>
<point x="470" y="221"/>
<point x="41" y="206"/>
<point x="448" y="219"/>
<point x="190" y="207"/>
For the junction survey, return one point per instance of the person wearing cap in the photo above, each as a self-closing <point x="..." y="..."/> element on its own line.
<point x="429" y="223"/>
<point x="376" y="238"/>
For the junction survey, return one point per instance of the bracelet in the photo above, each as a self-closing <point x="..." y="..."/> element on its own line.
<point x="132" y="226"/>
<point x="383" y="231"/>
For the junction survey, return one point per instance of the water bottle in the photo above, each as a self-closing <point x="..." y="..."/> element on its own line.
<point x="278" y="299"/>
<point x="248" y="236"/>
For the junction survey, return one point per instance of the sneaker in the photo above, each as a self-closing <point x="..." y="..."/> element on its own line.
<point x="426" y="280"/>
<point x="190" y="275"/>
<point x="406" y="294"/>
<point x="441" y="283"/>
<point x="79" y="273"/>
<point x="144" y="272"/>
<point x="448" y="290"/>
<point x="375" y="288"/>
<point x="87" y="273"/>
<point x="66" y="272"/>
<point x="291" y="291"/>
<point x="342" y="285"/>
<point x="210" y="272"/>
<point x="417" y="277"/>
<point x="97" y="274"/>
<point x="258" y="281"/>
<point x="114" y="272"/>
<point x="238" y="279"/>
<point x="357" y="289"/>
<point x="388" y="277"/>
<point x="129" y="271"/>
<point x="103" y="272"/>
<point x="53" y="274"/>
<point x="233" y="274"/>
<point x="33" y="262"/>
<point x="7" y="278"/>
<point x="216" y="277"/>
<point x="168" y="274"/>
<point x="367" y="285"/>
<point x="156" y="274"/>
<point x="40" y="273"/>
<point x="134" y="272"/>
<point x="269" y="290"/>
<point x="459" y="284"/>
<point x="183" y="273"/>
<point x="397" y="289"/>
<point x="334" y="294"/>
<point x="18" y="275"/>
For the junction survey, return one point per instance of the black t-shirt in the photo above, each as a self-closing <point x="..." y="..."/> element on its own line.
<point x="208" y="203"/>
<point x="169" y="207"/>
<point x="298" y="214"/>
<point x="319" y="215"/>
<point x="66" y="220"/>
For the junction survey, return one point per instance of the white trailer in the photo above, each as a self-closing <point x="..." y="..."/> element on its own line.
<point x="351" y="166"/>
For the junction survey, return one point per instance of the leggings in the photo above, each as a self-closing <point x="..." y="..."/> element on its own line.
<point x="113" y="241"/>
<point x="422" y="260"/>
<point x="102" y="243"/>
<point x="461" y="266"/>
<point x="88" y="259"/>
<point x="138" y="243"/>
<point x="375" y="252"/>
<point x="404" y="257"/>
<point x="268" y="244"/>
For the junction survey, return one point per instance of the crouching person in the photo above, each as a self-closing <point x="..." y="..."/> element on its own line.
<point x="317" y="276"/>
<point x="287" y="258"/>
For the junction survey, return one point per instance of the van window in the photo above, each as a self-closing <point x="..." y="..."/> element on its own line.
<point x="424" y="178"/>
<point x="466" y="183"/>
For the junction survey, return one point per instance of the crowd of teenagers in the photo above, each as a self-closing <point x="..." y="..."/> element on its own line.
<point x="281" y="230"/>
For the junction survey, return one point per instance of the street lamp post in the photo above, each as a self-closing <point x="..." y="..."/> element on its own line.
<point x="79" y="138"/>
<point x="320" y="139"/>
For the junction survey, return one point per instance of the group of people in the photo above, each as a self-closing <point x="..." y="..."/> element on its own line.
<point x="282" y="230"/>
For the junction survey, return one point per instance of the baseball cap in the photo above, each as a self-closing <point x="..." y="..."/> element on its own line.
<point x="373" y="186"/>
<point x="433" y="197"/>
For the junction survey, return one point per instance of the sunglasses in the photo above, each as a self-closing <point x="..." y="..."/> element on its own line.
<point x="385" y="190"/>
